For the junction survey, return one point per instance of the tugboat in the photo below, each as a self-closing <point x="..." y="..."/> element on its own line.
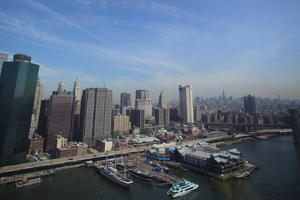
<point x="182" y="188"/>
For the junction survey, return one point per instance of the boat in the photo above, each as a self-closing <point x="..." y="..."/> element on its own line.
<point x="112" y="174"/>
<point x="120" y="166"/>
<point x="243" y="174"/>
<point x="141" y="174"/>
<point x="88" y="163"/>
<point x="26" y="182"/>
<point x="181" y="188"/>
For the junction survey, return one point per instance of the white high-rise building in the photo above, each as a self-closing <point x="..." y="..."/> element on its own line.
<point x="76" y="89"/>
<point x="186" y="103"/>
<point x="143" y="102"/>
<point x="36" y="108"/>
<point x="162" y="100"/>
<point x="61" y="87"/>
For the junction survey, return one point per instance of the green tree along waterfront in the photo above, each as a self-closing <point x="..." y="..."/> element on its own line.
<point x="277" y="178"/>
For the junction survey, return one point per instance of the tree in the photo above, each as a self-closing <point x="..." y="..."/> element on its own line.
<point x="115" y="134"/>
<point x="144" y="130"/>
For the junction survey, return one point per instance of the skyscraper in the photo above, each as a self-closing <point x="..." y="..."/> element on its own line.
<point x="295" y="122"/>
<point x="36" y="108"/>
<point x="162" y="116"/>
<point x="59" y="118"/>
<point x="76" y="110"/>
<point x="143" y="102"/>
<point x="186" y="103"/>
<point x="61" y="87"/>
<point x="95" y="115"/>
<point x="159" y="116"/>
<point x="43" y="118"/>
<point x="125" y="99"/>
<point x="162" y="100"/>
<point x="76" y="89"/>
<point x="249" y="104"/>
<point x="3" y="58"/>
<point x="17" y="90"/>
<point x="142" y="94"/>
<point x="137" y="118"/>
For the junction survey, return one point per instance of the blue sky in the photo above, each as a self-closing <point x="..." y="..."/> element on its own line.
<point x="240" y="46"/>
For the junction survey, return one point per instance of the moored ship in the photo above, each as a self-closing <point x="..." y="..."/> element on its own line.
<point x="111" y="174"/>
<point x="141" y="174"/>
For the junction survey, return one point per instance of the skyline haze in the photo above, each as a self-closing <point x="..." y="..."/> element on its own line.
<point x="248" y="47"/>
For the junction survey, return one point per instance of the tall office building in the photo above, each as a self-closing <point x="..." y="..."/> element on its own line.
<point x="36" y="108"/>
<point x="61" y="87"/>
<point x="137" y="118"/>
<point x="76" y="110"/>
<point x="142" y="94"/>
<point x="59" y="118"/>
<point x="3" y="58"/>
<point x="249" y="104"/>
<point x="186" y="103"/>
<point x="162" y="116"/>
<point x="197" y="114"/>
<point x="143" y="102"/>
<point x="125" y="99"/>
<point x="95" y="115"/>
<point x="162" y="100"/>
<point x="295" y="122"/>
<point x="17" y="90"/>
<point x="174" y="114"/>
<point x="159" y="116"/>
<point x="121" y="124"/>
<point x="76" y="89"/>
<point x="43" y="118"/>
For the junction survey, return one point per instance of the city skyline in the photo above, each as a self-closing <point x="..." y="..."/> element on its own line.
<point x="243" y="48"/>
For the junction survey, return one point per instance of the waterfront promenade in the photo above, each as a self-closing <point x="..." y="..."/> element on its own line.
<point x="52" y="163"/>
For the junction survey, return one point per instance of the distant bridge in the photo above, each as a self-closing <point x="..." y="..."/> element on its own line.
<point x="244" y="126"/>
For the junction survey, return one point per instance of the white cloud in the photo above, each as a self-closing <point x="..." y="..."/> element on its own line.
<point x="48" y="72"/>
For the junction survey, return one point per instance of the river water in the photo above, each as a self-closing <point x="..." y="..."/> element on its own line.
<point x="277" y="178"/>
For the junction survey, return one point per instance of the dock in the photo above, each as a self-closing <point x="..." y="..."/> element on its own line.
<point x="17" y="178"/>
<point x="163" y="178"/>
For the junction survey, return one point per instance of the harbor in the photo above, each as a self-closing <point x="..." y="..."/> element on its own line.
<point x="164" y="165"/>
<point x="163" y="178"/>
<point x="78" y="183"/>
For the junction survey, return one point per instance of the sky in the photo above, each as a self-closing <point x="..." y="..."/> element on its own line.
<point x="239" y="46"/>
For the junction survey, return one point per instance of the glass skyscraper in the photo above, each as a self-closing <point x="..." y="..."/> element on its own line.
<point x="3" y="58"/>
<point x="17" y="90"/>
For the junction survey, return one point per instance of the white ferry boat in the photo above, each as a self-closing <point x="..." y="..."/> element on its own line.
<point x="181" y="188"/>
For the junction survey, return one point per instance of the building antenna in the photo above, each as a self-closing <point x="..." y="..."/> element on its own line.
<point x="104" y="84"/>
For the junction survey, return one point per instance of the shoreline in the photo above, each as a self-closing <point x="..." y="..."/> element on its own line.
<point x="18" y="177"/>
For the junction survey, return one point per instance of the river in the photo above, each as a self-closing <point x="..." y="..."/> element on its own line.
<point x="277" y="178"/>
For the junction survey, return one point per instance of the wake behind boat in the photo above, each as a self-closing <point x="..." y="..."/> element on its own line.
<point x="182" y="188"/>
<point x="111" y="174"/>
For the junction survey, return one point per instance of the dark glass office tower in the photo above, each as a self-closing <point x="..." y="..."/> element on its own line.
<point x="17" y="89"/>
<point x="249" y="104"/>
